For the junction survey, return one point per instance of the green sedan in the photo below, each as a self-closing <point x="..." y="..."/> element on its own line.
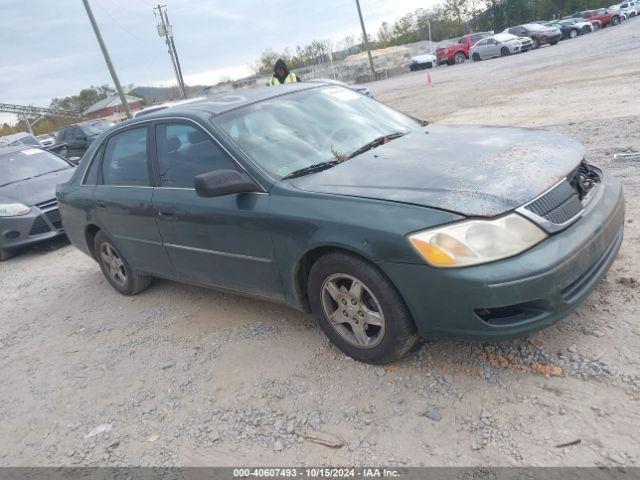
<point x="386" y="228"/>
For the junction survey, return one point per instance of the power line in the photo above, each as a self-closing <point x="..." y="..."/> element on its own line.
<point x="166" y="30"/>
<point x="118" y="23"/>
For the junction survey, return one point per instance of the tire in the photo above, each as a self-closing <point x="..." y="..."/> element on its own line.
<point x="352" y="291"/>
<point x="6" y="255"/>
<point x="505" y="52"/>
<point x="536" y="43"/>
<point x="615" y="21"/>
<point x="459" y="58"/>
<point x="596" y="27"/>
<point x="553" y="43"/>
<point x="116" y="269"/>
<point x="573" y="33"/>
<point x="476" y="57"/>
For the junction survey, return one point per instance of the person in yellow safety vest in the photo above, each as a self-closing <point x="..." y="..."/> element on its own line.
<point x="281" y="74"/>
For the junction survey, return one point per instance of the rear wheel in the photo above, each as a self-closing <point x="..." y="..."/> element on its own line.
<point x="475" y="57"/>
<point x="459" y="57"/>
<point x="505" y="52"/>
<point x="536" y="43"/>
<point x="359" y="309"/>
<point x="573" y="33"/>
<point x="116" y="269"/>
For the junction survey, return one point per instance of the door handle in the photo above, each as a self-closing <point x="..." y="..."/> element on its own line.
<point x="100" y="204"/>
<point x="167" y="213"/>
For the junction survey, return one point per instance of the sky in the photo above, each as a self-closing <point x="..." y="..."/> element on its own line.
<point x="49" y="49"/>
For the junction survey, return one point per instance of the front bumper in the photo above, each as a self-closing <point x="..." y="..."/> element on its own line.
<point x="521" y="294"/>
<point x="37" y="226"/>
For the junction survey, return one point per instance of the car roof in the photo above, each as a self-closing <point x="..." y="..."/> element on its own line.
<point x="219" y="103"/>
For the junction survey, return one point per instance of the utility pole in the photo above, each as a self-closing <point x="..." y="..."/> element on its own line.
<point x="107" y="58"/>
<point x="165" y="30"/>
<point x="366" y="39"/>
<point x="430" y="44"/>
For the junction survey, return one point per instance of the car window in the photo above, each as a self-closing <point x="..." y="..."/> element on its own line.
<point x="125" y="159"/>
<point x="476" y="36"/>
<point x="91" y="177"/>
<point x="184" y="152"/>
<point x="78" y="133"/>
<point x="481" y="43"/>
<point x="462" y="40"/>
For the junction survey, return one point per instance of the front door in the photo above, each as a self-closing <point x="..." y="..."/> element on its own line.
<point x="223" y="241"/>
<point x="122" y="199"/>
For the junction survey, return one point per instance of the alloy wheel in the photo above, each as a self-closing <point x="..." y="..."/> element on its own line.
<point x="573" y="33"/>
<point x="352" y="310"/>
<point x="113" y="264"/>
<point x="459" y="58"/>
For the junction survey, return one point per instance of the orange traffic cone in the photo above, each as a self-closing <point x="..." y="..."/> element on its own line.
<point x="429" y="81"/>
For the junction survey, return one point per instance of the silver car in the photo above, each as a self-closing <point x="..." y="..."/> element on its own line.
<point x="499" y="45"/>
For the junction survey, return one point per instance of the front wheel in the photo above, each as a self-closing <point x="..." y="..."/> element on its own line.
<point x="459" y="58"/>
<point x="615" y="21"/>
<point x="359" y="309"/>
<point x="6" y="255"/>
<point x="536" y="43"/>
<point x="553" y="43"/>
<point x="505" y="52"/>
<point x="475" y="57"/>
<point x="116" y="269"/>
<point x="596" y="27"/>
<point x="573" y="33"/>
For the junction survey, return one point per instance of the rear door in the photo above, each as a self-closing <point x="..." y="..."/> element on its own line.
<point x="122" y="199"/>
<point x="223" y="241"/>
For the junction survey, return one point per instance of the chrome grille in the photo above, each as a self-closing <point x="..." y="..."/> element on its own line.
<point x="565" y="203"/>
<point x="559" y="205"/>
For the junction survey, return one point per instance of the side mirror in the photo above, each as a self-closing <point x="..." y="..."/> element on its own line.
<point x="224" y="182"/>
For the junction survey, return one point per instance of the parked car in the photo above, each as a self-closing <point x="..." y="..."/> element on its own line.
<point x="80" y="136"/>
<point x="583" y="24"/>
<point x="458" y="51"/>
<point x="422" y="62"/>
<point x="28" y="208"/>
<point x="327" y="200"/>
<point x="569" y="30"/>
<point x="605" y="17"/>
<point x="20" y="138"/>
<point x="46" y="140"/>
<point x="500" y="45"/>
<point x="631" y="7"/>
<point x="540" y="35"/>
<point x="361" y="89"/>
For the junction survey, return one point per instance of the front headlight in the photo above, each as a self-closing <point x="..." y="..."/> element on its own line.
<point x="13" y="209"/>
<point x="473" y="242"/>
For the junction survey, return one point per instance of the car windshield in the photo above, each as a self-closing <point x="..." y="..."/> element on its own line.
<point x="504" y="37"/>
<point x="292" y="132"/>
<point x="29" y="163"/>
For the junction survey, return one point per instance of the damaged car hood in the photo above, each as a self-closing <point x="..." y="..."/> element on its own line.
<point x="474" y="171"/>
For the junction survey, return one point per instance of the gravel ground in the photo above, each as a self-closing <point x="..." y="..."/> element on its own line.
<point x="185" y="376"/>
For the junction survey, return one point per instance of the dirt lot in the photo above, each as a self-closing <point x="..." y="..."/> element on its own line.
<point x="186" y="376"/>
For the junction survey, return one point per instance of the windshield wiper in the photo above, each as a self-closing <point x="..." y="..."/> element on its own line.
<point x="317" y="167"/>
<point x="376" y="142"/>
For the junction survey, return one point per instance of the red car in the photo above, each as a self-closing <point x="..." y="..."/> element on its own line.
<point x="458" y="52"/>
<point x="605" y="17"/>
